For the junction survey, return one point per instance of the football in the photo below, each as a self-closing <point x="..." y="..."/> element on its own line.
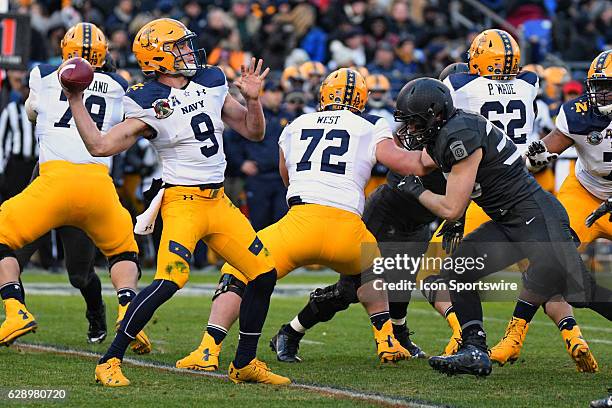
<point x="76" y="74"/>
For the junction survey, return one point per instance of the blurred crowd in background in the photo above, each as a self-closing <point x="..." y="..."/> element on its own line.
<point x="389" y="41"/>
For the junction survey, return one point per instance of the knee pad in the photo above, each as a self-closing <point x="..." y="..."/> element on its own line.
<point x="6" y="252"/>
<point x="325" y="302"/>
<point x="124" y="256"/>
<point x="430" y="294"/>
<point x="229" y="283"/>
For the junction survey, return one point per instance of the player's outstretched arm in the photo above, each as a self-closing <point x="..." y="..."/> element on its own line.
<point x="557" y="142"/>
<point x="400" y="160"/>
<point x="118" y="139"/>
<point x="249" y="121"/>
<point x="459" y="186"/>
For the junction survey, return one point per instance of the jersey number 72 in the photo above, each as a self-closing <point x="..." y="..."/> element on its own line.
<point x="316" y="135"/>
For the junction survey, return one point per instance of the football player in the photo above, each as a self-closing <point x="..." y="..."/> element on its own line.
<point x="325" y="160"/>
<point x="181" y="111"/>
<point x="495" y="88"/>
<point x="484" y="164"/>
<point x="586" y="124"/>
<point x="74" y="188"/>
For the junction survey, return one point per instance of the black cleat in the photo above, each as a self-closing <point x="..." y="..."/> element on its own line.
<point x="605" y="402"/>
<point x="468" y="360"/>
<point x="286" y="346"/>
<point x="97" y="324"/>
<point x="402" y="334"/>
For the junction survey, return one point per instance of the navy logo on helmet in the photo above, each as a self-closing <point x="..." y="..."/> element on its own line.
<point x="162" y="108"/>
<point x="594" y="138"/>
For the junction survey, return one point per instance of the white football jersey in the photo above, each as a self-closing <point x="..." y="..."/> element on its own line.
<point x="508" y="104"/>
<point x="592" y="136"/>
<point x="329" y="156"/>
<point x="188" y="125"/>
<point x="55" y="130"/>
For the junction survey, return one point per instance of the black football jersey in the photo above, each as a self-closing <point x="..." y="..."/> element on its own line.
<point x="407" y="207"/>
<point x="502" y="179"/>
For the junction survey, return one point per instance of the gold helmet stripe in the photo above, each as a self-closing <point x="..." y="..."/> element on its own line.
<point x="86" y="54"/>
<point x="508" y="51"/>
<point x="600" y="64"/>
<point x="350" y="87"/>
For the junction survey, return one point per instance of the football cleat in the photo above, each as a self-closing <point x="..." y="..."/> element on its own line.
<point x="402" y="334"/>
<point x="286" y="346"/>
<point x="204" y="358"/>
<point x="255" y="372"/>
<point x="579" y="350"/>
<point x="18" y="321"/>
<point x="605" y="402"/>
<point x="388" y="348"/>
<point x="97" y="324"/>
<point x="468" y="360"/>
<point x="509" y="348"/>
<point x="141" y="344"/>
<point x="109" y="374"/>
<point x="455" y="341"/>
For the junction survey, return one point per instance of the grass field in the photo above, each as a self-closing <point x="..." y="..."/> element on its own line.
<point x="339" y="354"/>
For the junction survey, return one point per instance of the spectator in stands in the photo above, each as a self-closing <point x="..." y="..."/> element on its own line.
<point x="386" y="63"/>
<point x="121" y="16"/>
<point x="264" y="187"/>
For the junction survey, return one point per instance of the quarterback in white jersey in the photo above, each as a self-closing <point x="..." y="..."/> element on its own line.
<point x="182" y="111"/>
<point x="74" y="188"/>
<point x="325" y="160"/>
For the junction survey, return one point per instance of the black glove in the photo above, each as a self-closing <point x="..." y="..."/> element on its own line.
<point x="411" y="186"/>
<point x="452" y="234"/>
<point x="603" y="209"/>
<point x="538" y="156"/>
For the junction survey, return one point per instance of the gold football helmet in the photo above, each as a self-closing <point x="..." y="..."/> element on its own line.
<point x="494" y="54"/>
<point x="312" y="68"/>
<point x="87" y="41"/>
<point x="292" y="79"/>
<point x="377" y="83"/>
<point x="167" y="46"/>
<point x="599" y="83"/>
<point x="344" y="89"/>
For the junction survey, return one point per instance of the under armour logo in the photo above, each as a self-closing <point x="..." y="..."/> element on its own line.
<point x="124" y="294"/>
<point x="206" y="354"/>
<point x="389" y="341"/>
<point x="25" y="315"/>
<point x="187" y="197"/>
<point x="148" y="227"/>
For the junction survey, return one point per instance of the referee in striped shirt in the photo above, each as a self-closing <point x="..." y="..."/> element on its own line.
<point x="18" y="146"/>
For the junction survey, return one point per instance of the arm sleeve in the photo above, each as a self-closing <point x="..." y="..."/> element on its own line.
<point x="35" y="85"/>
<point x="380" y="132"/>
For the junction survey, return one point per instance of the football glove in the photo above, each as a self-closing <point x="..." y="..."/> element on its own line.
<point x="452" y="234"/>
<point x="411" y="186"/>
<point x="603" y="209"/>
<point x="538" y="156"/>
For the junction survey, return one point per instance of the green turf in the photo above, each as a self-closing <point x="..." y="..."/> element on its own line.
<point x="543" y="376"/>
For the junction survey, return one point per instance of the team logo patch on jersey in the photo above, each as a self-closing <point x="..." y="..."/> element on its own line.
<point x="162" y="108"/>
<point x="458" y="150"/>
<point x="594" y="138"/>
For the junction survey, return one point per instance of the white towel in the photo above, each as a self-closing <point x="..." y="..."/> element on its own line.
<point x="145" y="222"/>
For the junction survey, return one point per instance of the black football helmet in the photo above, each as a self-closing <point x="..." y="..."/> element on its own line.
<point x="423" y="106"/>
<point x="454" y="68"/>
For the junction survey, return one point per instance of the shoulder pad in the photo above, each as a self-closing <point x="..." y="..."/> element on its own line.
<point x="210" y="77"/>
<point x="145" y="94"/>
<point x="370" y="118"/>
<point x="461" y="79"/>
<point x="581" y="120"/>
<point x="46" y="69"/>
<point x="528" y="76"/>
<point x="118" y="78"/>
